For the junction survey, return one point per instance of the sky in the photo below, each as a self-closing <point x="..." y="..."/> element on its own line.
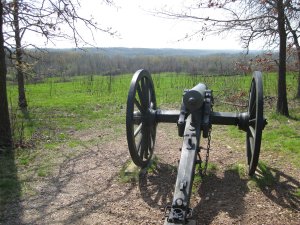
<point x="137" y="28"/>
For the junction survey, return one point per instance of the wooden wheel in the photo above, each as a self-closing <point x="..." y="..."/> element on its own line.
<point x="140" y="118"/>
<point x="256" y="122"/>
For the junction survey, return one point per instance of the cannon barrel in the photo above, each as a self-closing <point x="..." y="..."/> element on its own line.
<point x="193" y="99"/>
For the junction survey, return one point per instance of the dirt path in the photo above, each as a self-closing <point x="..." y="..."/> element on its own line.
<point x="85" y="190"/>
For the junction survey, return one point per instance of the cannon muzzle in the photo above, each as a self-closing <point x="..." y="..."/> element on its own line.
<point x="193" y="99"/>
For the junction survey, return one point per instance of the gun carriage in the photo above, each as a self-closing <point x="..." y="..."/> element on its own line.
<point x="194" y="119"/>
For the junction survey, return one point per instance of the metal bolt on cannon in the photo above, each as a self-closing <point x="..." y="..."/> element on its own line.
<point x="195" y="118"/>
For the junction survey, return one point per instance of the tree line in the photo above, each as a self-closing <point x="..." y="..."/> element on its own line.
<point x="74" y="63"/>
<point x="68" y="63"/>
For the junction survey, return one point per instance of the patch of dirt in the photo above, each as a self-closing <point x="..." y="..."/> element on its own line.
<point x="86" y="190"/>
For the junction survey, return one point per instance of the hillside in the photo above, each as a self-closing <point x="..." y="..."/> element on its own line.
<point x="135" y="52"/>
<point x="113" y="61"/>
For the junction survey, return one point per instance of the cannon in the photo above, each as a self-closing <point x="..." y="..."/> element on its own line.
<point x="195" y="118"/>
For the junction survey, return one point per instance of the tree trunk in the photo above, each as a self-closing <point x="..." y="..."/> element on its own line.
<point x="19" y="56"/>
<point x="296" y="43"/>
<point x="5" y="130"/>
<point x="282" y="104"/>
<point x="298" y="54"/>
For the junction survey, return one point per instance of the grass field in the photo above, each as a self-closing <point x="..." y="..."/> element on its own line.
<point x="58" y="109"/>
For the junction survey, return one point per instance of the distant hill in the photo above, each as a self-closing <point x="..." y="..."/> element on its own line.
<point x="135" y="52"/>
<point x="114" y="61"/>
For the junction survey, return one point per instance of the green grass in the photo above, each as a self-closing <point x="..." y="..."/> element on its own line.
<point x="275" y="183"/>
<point x="130" y="173"/>
<point x="44" y="171"/>
<point x="57" y="110"/>
<point x="25" y="157"/>
<point x="55" y="107"/>
<point x="77" y="104"/>
<point x="264" y="176"/>
<point x="281" y="135"/>
<point x="211" y="169"/>
<point x="240" y="169"/>
<point x="297" y="192"/>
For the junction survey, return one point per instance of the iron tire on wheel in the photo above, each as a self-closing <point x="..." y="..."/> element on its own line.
<point x="256" y="122"/>
<point x="140" y="118"/>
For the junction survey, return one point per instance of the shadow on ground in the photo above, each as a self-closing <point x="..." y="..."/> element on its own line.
<point x="10" y="189"/>
<point x="279" y="187"/>
<point x="78" y="190"/>
<point x="156" y="188"/>
<point x="223" y="199"/>
<point x="85" y="189"/>
<point x="221" y="195"/>
<point x="82" y="190"/>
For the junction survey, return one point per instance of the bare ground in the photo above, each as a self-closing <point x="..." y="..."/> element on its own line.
<point x="85" y="189"/>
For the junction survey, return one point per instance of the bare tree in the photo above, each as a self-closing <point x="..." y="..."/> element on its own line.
<point x="5" y="129"/>
<point x="44" y="17"/>
<point x="19" y="54"/>
<point x="294" y="29"/>
<point x="264" y="20"/>
<point x="52" y="19"/>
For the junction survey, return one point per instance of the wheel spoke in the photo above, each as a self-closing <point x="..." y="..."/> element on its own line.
<point x="139" y="92"/>
<point x="252" y="110"/>
<point x="143" y="146"/>
<point x="142" y="95"/>
<point x="149" y="149"/>
<point x="251" y="140"/>
<point x="149" y="99"/>
<point x="148" y="93"/>
<point x="152" y="135"/>
<point x="151" y="105"/>
<point x="252" y="122"/>
<point x="138" y="105"/>
<point x="139" y="144"/>
<point x="138" y="130"/>
<point x="145" y="91"/>
<point x="146" y="153"/>
<point x="252" y="131"/>
<point x="252" y="105"/>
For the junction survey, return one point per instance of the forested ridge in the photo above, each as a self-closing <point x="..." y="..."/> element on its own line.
<point x="113" y="61"/>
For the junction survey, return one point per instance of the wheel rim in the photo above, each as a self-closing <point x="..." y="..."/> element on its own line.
<point x="256" y="121"/>
<point x="140" y="118"/>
